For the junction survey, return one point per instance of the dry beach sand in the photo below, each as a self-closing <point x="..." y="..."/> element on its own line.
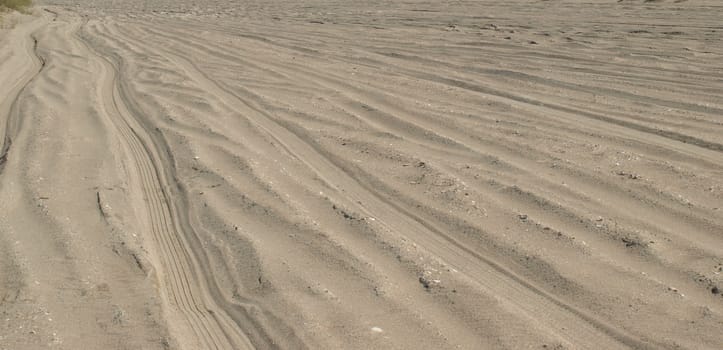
<point x="381" y="174"/>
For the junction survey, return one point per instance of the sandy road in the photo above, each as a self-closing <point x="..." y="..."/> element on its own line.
<point x="329" y="175"/>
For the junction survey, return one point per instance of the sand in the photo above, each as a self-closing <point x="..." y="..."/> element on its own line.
<point x="329" y="174"/>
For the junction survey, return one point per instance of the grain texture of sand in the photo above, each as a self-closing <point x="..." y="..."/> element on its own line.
<point x="330" y="174"/>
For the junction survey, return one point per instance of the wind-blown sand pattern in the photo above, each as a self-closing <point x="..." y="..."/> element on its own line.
<point x="362" y="175"/>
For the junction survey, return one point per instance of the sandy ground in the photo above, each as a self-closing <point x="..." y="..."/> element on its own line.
<point x="331" y="174"/>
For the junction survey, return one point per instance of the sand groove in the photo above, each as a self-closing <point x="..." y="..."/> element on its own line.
<point x="488" y="273"/>
<point x="8" y="106"/>
<point x="212" y="327"/>
<point x="329" y="174"/>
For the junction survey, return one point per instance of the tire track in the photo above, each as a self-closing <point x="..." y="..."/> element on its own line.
<point x="490" y="275"/>
<point x="591" y="185"/>
<point x="179" y="270"/>
<point x="473" y="86"/>
<point x="262" y="327"/>
<point x="115" y="33"/>
<point x="253" y="319"/>
<point x="575" y="200"/>
<point x="254" y="108"/>
<point x="403" y="144"/>
<point x="326" y="168"/>
<point x="557" y="107"/>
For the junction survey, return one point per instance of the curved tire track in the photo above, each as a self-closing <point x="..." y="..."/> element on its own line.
<point x="179" y="271"/>
<point x="263" y="328"/>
